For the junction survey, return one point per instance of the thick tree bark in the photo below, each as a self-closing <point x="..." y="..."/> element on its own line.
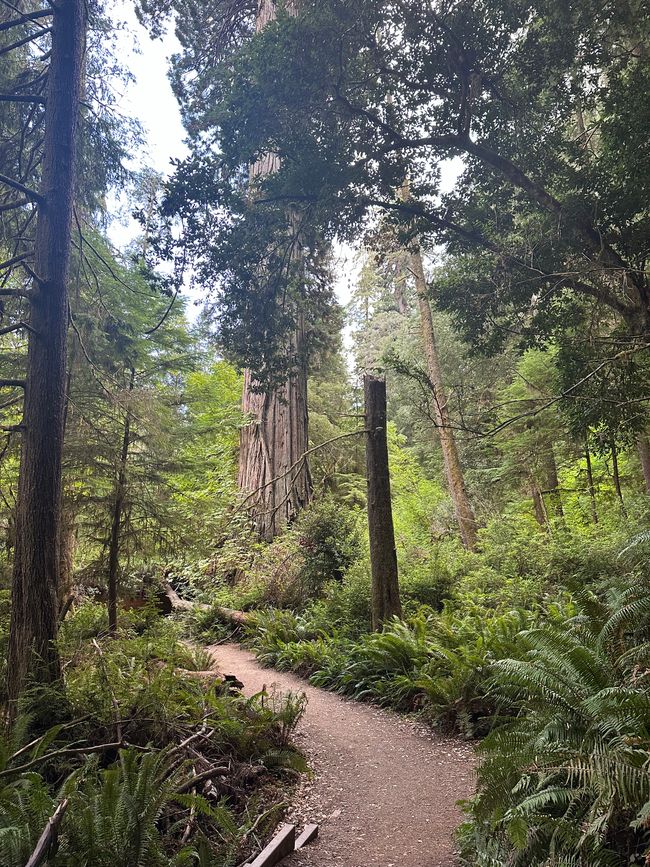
<point x="271" y="463"/>
<point x="383" y="556"/>
<point x="643" y="448"/>
<point x="32" y="652"/>
<point x="116" y="523"/>
<point x="590" y="484"/>
<point x="453" y="468"/>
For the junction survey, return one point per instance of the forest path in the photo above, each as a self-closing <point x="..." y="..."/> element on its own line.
<point x="384" y="788"/>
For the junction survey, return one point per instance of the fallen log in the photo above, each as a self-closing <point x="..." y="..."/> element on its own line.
<point x="230" y="615"/>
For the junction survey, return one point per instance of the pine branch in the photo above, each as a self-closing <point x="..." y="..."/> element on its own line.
<point x="23" y="97"/>
<point x="24" y="41"/>
<point x="25" y="18"/>
<point x="21" y="188"/>
<point x="12" y="383"/>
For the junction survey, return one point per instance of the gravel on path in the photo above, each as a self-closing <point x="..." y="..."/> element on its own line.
<point x="384" y="788"/>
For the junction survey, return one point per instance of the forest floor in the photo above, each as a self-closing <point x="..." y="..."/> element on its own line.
<point x="384" y="788"/>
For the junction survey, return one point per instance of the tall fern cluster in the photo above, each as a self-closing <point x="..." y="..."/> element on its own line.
<point x="567" y="782"/>
<point x="437" y="664"/>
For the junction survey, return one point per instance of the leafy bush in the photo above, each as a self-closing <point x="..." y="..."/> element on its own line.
<point x="329" y="542"/>
<point x="567" y="781"/>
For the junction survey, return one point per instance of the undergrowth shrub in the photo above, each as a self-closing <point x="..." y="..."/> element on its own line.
<point x="140" y="717"/>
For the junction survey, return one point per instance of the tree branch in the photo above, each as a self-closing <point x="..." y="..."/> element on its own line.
<point x="25" y="18"/>
<point x="49" y="835"/>
<point x="24" y="41"/>
<point x="10" y="206"/>
<point x="17" y="327"/>
<point x="21" y="188"/>
<point x="23" y="97"/>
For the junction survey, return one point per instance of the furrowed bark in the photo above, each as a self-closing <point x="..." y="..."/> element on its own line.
<point x="277" y="435"/>
<point x="32" y="652"/>
<point x="383" y="555"/>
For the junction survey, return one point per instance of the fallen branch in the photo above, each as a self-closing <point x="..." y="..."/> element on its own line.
<point x="67" y="752"/>
<point x="238" y="618"/>
<point x="49" y="835"/>
<point x="201" y="778"/>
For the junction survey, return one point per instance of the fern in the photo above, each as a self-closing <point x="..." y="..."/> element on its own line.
<point x="567" y="782"/>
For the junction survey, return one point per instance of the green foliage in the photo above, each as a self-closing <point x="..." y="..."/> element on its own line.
<point x="567" y="779"/>
<point x="118" y="757"/>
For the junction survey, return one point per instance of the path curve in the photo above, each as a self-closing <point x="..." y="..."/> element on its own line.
<point x="384" y="789"/>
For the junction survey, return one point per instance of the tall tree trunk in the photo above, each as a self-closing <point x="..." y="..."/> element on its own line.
<point x="643" y="448"/>
<point x="552" y="482"/>
<point x="617" y="477"/>
<point x="383" y="556"/>
<point x="32" y="652"/>
<point x="118" y="508"/>
<point x="68" y="547"/>
<point x="272" y="466"/>
<point x="590" y="483"/>
<point x="453" y="468"/>
<point x="538" y="503"/>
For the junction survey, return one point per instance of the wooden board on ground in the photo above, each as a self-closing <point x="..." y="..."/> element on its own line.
<point x="309" y="833"/>
<point x="281" y="845"/>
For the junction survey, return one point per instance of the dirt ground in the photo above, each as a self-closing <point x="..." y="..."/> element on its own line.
<point x="384" y="789"/>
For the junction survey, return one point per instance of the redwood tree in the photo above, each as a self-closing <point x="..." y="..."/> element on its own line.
<point x="32" y="653"/>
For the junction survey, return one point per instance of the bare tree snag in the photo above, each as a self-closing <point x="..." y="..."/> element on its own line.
<point x="277" y="435"/>
<point x="552" y="482"/>
<point x="34" y="620"/>
<point x="383" y="556"/>
<point x="453" y="468"/>
<point x="538" y="503"/>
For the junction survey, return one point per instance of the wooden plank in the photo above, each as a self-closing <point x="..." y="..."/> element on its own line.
<point x="310" y="832"/>
<point x="281" y="845"/>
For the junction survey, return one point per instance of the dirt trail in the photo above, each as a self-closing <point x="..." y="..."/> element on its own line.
<point x="384" y="789"/>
